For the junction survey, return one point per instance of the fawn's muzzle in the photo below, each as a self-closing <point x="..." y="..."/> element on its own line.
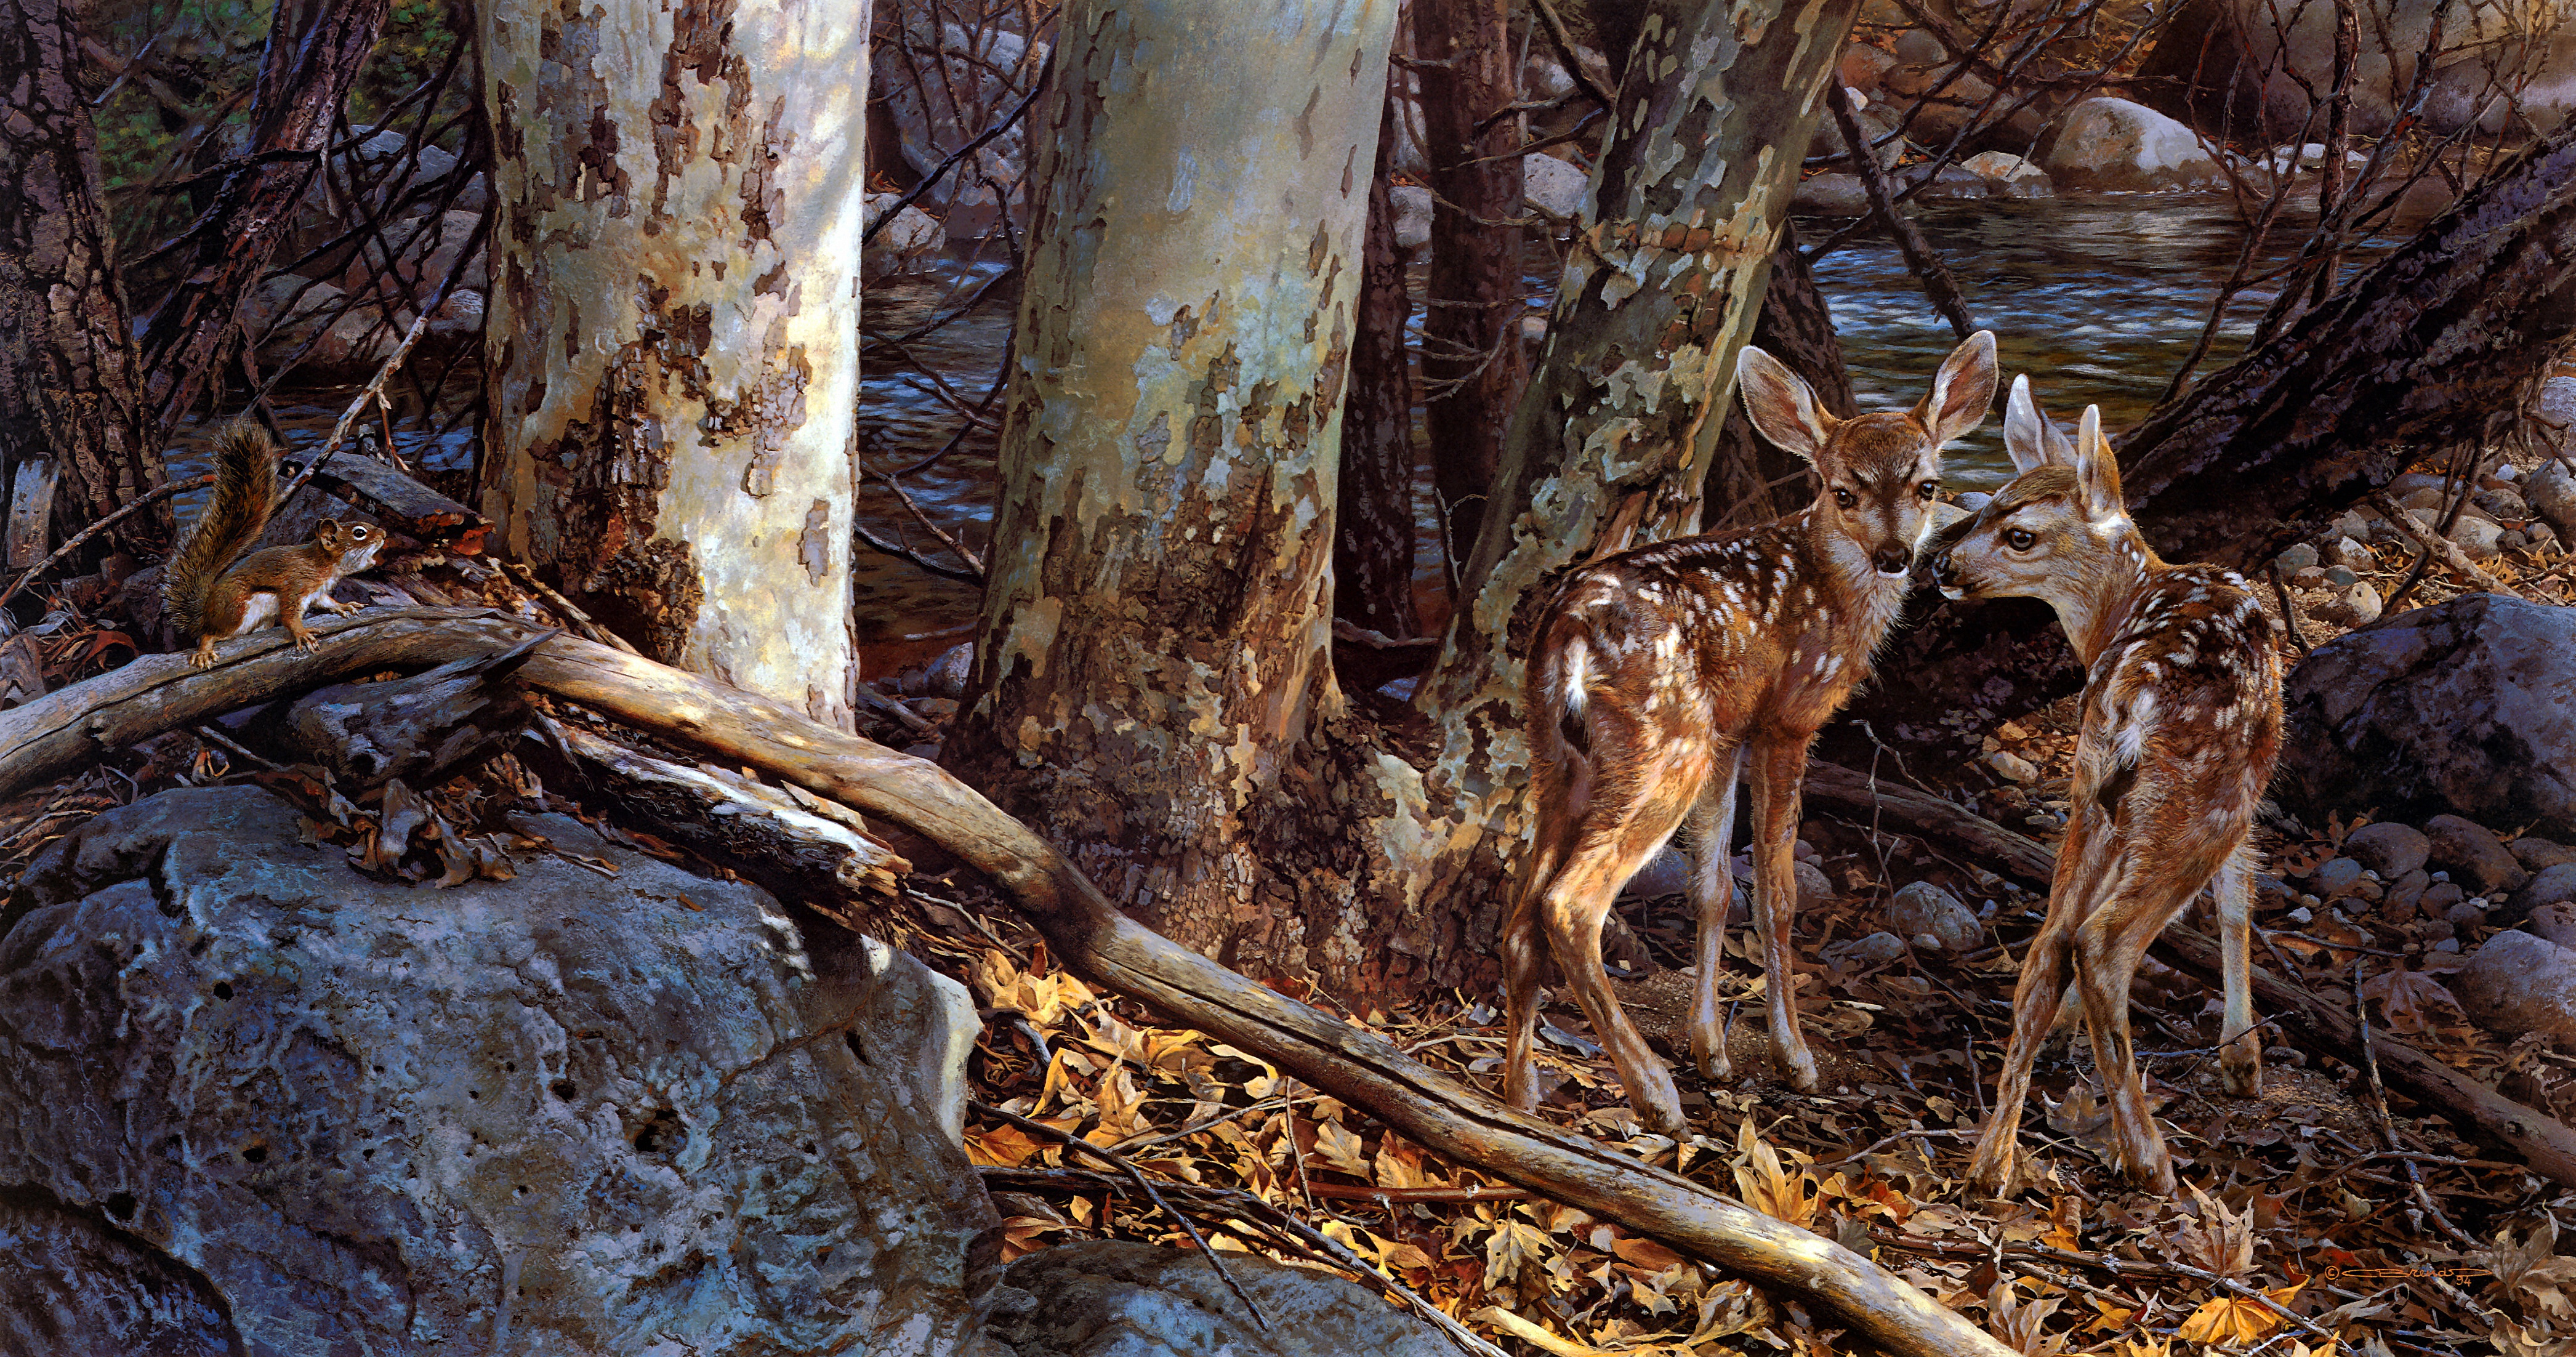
<point x="1892" y="560"/>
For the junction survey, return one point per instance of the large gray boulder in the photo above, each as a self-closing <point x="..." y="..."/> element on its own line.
<point x="2117" y="146"/>
<point x="2466" y="707"/>
<point x="280" y="1108"/>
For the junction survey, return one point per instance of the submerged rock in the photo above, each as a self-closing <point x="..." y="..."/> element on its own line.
<point x="2113" y="144"/>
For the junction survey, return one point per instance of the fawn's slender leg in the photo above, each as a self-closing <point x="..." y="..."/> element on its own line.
<point x="2240" y="1051"/>
<point x="1522" y="940"/>
<point x="2107" y="948"/>
<point x="1712" y="825"/>
<point x="1779" y="765"/>
<point x="1613" y="843"/>
<point x="2046" y="970"/>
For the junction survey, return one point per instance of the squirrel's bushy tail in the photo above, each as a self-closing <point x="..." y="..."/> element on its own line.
<point x="245" y="486"/>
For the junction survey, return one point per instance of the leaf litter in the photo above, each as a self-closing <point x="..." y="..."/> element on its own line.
<point x="2294" y="1235"/>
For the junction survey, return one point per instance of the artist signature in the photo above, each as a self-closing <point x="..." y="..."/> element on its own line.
<point x="2334" y="1271"/>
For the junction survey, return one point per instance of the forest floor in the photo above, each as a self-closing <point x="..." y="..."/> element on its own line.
<point x="2300" y="1228"/>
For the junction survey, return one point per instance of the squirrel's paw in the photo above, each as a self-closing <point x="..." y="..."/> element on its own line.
<point x="343" y="609"/>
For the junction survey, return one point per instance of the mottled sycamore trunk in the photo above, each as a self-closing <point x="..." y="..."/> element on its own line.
<point x="1373" y="542"/>
<point x="1472" y="367"/>
<point x="1613" y="438"/>
<point x="2436" y="345"/>
<point x="1153" y="684"/>
<point x="315" y="52"/>
<point x="66" y="361"/>
<point x="672" y="342"/>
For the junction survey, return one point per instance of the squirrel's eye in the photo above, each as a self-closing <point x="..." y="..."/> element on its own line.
<point x="1844" y="497"/>
<point x="2019" y="539"/>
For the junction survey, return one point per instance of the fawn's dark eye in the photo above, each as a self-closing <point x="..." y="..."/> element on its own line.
<point x="2019" y="539"/>
<point x="1844" y="498"/>
<point x="1928" y="489"/>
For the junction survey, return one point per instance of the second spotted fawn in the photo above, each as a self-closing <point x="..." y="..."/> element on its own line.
<point x="2182" y="721"/>
<point x="1661" y="673"/>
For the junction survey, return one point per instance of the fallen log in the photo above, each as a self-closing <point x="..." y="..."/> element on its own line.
<point x="159" y="692"/>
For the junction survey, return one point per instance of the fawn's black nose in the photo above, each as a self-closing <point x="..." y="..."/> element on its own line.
<point x="1892" y="560"/>
<point x="1941" y="568"/>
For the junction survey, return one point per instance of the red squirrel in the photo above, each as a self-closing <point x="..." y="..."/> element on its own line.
<point x="209" y="601"/>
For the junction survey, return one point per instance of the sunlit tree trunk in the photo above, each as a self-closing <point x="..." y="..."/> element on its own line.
<point x="672" y="334"/>
<point x="1153" y="683"/>
<point x="67" y="388"/>
<point x="1152" y="686"/>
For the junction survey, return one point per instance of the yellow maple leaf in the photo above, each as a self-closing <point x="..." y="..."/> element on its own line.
<point x="1766" y="1186"/>
<point x="2235" y="1319"/>
<point x="1339" y="1148"/>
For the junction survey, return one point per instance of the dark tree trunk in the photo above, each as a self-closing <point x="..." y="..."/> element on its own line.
<point x="314" y="53"/>
<point x="1471" y="353"/>
<point x="2436" y="345"/>
<point x="1614" y="25"/>
<point x="1374" y="520"/>
<point x="1750" y="481"/>
<point x="66" y="363"/>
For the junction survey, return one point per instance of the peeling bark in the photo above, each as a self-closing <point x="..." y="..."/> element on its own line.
<point x="1153" y="682"/>
<point x="1472" y="365"/>
<point x="66" y="360"/>
<point x="672" y="348"/>
<point x="1373" y="545"/>
<point x="1614" y="435"/>
<point x="1152" y="687"/>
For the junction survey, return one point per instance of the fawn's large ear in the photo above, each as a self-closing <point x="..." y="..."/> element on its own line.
<point x="1962" y="391"/>
<point x="2030" y="436"/>
<point x="1783" y="406"/>
<point x="2097" y="470"/>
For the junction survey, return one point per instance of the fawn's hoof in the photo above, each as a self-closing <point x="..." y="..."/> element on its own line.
<point x="1798" y="1067"/>
<point x="1713" y="1064"/>
<point x="2156" y="1175"/>
<point x="1993" y="1167"/>
<point x="2241" y="1072"/>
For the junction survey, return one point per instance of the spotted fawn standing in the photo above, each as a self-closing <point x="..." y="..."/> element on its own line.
<point x="1661" y="673"/>
<point x="2182" y="720"/>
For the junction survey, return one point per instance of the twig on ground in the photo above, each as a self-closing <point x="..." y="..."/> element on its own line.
<point x="2379" y="1120"/>
<point x="2442" y="547"/>
<point x="1135" y="1175"/>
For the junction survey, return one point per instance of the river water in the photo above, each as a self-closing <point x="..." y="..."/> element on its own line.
<point x="2098" y="298"/>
